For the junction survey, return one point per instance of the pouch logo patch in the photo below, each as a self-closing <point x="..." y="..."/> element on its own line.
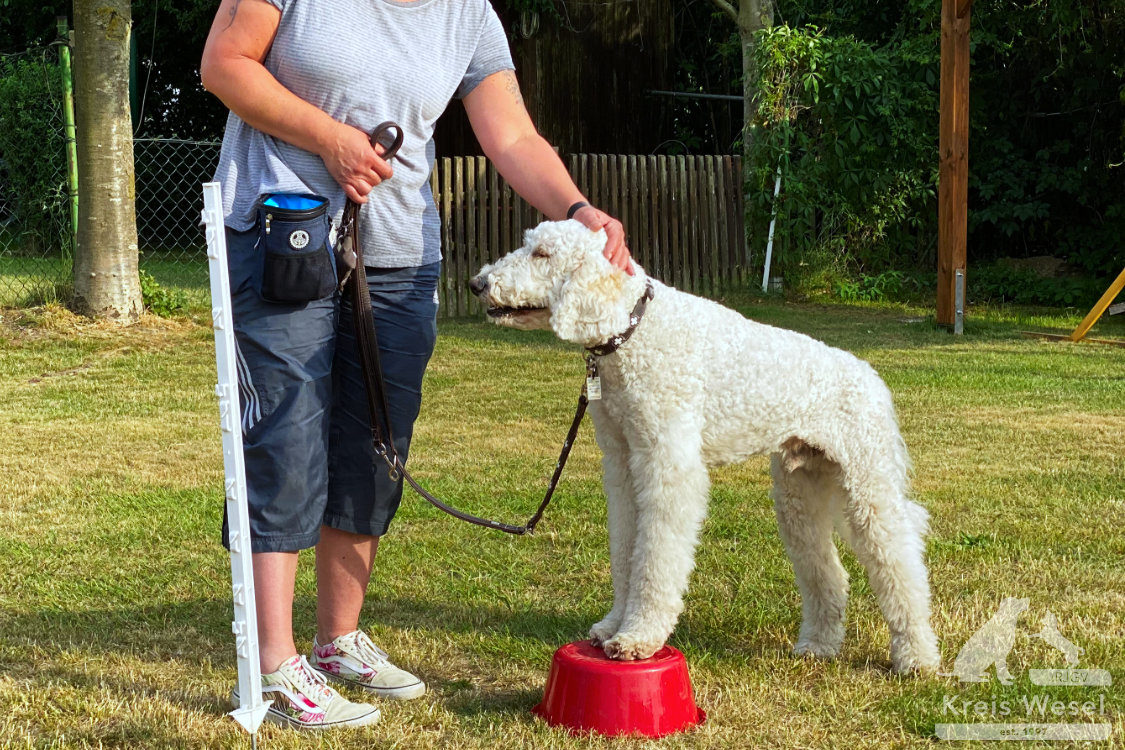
<point x="299" y="239"/>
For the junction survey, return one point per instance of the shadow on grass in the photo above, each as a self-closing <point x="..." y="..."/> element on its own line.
<point x="511" y="704"/>
<point x="199" y="631"/>
<point x="192" y="631"/>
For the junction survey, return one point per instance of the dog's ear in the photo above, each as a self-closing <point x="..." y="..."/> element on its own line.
<point x="586" y="307"/>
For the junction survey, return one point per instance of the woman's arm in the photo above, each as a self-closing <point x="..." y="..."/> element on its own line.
<point x="529" y="164"/>
<point x="232" y="69"/>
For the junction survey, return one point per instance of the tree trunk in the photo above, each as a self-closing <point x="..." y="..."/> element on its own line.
<point x="750" y="16"/>
<point x="106" y="282"/>
<point x="753" y="15"/>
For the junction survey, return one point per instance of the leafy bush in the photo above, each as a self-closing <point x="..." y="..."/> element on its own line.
<point x="852" y="127"/>
<point x="33" y="155"/>
<point x="888" y="285"/>
<point x="160" y="300"/>
<point x="1047" y="142"/>
<point x="1000" y="283"/>
<point x="851" y="112"/>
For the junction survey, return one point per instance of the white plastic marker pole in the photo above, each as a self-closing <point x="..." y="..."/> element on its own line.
<point x="773" y="222"/>
<point x="252" y="708"/>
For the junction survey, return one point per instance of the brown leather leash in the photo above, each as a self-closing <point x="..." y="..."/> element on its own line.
<point x="350" y="255"/>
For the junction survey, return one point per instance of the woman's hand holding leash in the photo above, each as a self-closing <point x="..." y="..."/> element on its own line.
<point x="354" y="162"/>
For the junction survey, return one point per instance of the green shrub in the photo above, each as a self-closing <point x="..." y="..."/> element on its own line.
<point x="1000" y="283"/>
<point x="33" y="155"/>
<point x="852" y="126"/>
<point x="160" y="300"/>
<point x="888" y="285"/>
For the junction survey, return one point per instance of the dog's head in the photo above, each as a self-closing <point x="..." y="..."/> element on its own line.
<point x="559" y="280"/>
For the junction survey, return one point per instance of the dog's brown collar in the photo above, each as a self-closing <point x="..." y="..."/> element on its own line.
<point x="615" y="342"/>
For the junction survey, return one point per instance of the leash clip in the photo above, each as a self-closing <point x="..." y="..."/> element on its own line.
<point x="391" y="461"/>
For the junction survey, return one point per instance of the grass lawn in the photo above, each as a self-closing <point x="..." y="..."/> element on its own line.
<point x="114" y="591"/>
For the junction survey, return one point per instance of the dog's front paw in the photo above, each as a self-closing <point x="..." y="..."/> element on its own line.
<point x="918" y="655"/>
<point x="601" y="632"/>
<point x="626" y="648"/>
<point x="604" y="629"/>
<point x="816" y="649"/>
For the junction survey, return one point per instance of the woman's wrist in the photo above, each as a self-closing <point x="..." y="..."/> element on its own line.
<point x="575" y="208"/>
<point x="326" y="136"/>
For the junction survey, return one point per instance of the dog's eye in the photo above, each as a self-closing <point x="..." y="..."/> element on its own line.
<point x="540" y="253"/>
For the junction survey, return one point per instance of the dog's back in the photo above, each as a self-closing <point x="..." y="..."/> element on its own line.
<point x="757" y="385"/>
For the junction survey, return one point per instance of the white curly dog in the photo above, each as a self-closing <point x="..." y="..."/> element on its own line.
<point x="698" y="385"/>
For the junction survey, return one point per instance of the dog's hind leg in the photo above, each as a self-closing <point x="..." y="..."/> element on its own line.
<point x="805" y="488"/>
<point x="672" y="487"/>
<point x="621" y="506"/>
<point x="887" y="532"/>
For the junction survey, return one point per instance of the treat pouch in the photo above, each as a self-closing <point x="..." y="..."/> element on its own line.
<point x="297" y="261"/>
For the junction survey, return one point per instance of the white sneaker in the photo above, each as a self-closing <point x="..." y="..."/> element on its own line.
<point x="301" y="699"/>
<point x="353" y="659"/>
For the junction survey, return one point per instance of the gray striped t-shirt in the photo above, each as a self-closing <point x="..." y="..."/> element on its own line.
<point x="364" y="62"/>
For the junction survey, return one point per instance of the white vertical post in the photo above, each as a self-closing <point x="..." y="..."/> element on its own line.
<point x="252" y="709"/>
<point x="773" y="222"/>
<point x="959" y="302"/>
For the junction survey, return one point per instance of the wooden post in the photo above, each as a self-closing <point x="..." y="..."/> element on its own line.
<point x="953" y="148"/>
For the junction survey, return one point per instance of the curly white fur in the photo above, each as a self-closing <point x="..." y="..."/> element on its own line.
<point x="698" y="385"/>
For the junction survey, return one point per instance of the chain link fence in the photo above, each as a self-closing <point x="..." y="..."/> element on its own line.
<point x="169" y="174"/>
<point x="36" y="242"/>
<point x="36" y="234"/>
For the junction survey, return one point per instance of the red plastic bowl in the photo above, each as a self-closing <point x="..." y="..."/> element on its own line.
<point x="589" y="692"/>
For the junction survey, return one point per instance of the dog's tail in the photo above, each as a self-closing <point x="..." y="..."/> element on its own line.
<point x="918" y="517"/>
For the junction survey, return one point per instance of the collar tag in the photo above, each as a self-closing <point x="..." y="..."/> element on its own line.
<point x="593" y="388"/>
<point x="593" y="380"/>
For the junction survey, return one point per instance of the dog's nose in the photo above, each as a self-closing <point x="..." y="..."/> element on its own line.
<point x="478" y="285"/>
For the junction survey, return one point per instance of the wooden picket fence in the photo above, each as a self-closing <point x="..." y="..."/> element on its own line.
<point x="683" y="217"/>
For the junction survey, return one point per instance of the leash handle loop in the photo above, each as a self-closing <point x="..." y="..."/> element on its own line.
<point x="378" y="139"/>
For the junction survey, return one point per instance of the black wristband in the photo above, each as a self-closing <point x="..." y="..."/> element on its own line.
<point x="570" y="212"/>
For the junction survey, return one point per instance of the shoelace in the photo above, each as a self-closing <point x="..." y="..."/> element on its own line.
<point x="313" y="684"/>
<point x="369" y="652"/>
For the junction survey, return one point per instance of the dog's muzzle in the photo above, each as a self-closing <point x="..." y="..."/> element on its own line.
<point x="479" y="287"/>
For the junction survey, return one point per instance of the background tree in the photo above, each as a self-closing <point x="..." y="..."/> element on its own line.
<point x="750" y="16"/>
<point x="28" y="23"/>
<point x="106" y="280"/>
<point x="169" y="37"/>
<point x="853" y="93"/>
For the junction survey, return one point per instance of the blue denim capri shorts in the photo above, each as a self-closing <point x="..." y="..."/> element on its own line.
<point x="305" y="426"/>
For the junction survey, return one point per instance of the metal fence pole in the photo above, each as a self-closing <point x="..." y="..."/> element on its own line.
<point x="68" y="117"/>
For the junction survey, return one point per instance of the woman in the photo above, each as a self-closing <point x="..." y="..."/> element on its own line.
<point x="306" y="82"/>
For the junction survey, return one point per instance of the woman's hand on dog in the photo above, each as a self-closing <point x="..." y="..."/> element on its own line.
<point x="616" y="251"/>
